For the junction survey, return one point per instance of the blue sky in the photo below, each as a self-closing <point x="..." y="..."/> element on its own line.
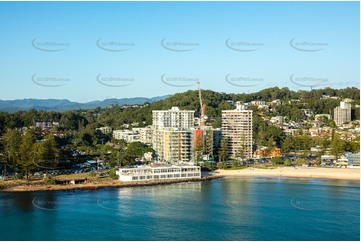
<point x="85" y="51"/>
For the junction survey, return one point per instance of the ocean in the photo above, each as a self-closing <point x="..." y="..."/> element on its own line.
<point x="226" y="209"/>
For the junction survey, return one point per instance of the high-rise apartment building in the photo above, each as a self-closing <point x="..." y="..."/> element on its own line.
<point x="175" y="144"/>
<point x="172" y="123"/>
<point x="237" y="129"/>
<point x="342" y="113"/>
<point x="173" y="118"/>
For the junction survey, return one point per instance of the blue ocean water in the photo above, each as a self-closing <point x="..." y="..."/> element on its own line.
<point x="227" y="209"/>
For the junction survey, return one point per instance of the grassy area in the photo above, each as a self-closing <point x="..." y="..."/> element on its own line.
<point x="255" y="166"/>
<point x="79" y="176"/>
<point x="237" y="168"/>
<point x="19" y="182"/>
<point x="72" y="176"/>
<point x="266" y="167"/>
<point x="66" y="176"/>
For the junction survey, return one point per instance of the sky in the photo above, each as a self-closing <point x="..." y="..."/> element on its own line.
<point x="84" y="51"/>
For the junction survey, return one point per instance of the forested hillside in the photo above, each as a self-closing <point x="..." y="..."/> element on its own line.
<point x="115" y="115"/>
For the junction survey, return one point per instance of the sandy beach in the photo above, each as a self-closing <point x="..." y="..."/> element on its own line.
<point x="294" y="172"/>
<point x="302" y="172"/>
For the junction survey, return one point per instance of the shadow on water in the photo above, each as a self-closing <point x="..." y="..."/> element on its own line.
<point x="16" y="203"/>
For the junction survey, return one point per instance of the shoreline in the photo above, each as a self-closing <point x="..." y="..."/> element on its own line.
<point x="284" y="172"/>
<point x="104" y="185"/>
<point x="296" y="172"/>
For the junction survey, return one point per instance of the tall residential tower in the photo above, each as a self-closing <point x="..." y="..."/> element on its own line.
<point x="237" y="129"/>
<point x="342" y="113"/>
<point x="172" y="134"/>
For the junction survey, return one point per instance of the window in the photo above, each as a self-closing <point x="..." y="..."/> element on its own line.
<point x="156" y="176"/>
<point x="135" y="178"/>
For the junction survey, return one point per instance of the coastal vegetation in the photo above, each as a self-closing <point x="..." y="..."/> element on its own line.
<point x="26" y="148"/>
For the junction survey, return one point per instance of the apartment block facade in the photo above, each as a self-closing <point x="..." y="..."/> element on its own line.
<point x="145" y="134"/>
<point x="127" y="135"/>
<point x="342" y="113"/>
<point x="173" y="118"/>
<point x="237" y="129"/>
<point x="175" y="144"/>
<point x="171" y="132"/>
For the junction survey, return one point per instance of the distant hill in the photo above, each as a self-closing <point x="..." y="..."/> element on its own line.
<point x="62" y="105"/>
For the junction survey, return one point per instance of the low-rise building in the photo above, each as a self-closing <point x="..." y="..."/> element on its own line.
<point x="307" y="112"/>
<point x="318" y="117"/>
<point x="327" y="160"/>
<point x="353" y="160"/>
<point x="278" y="119"/>
<point x="145" y="134"/>
<point x="104" y="130"/>
<point x="258" y="102"/>
<point x="44" y="125"/>
<point x="148" y="156"/>
<point x="276" y="102"/>
<point x="263" y="107"/>
<point x="127" y="135"/>
<point x="158" y="173"/>
<point x="291" y="131"/>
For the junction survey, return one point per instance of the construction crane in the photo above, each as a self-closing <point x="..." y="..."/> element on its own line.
<point x="202" y="120"/>
<point x="203" y="116"/>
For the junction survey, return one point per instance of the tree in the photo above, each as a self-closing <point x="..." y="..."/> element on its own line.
<point x="235" y="163"/>
<point x="223" y="151"/>
<point x="270" y="146"/>
<point x="301" y="161"/>
<point x="217" y="123"/>
<point x="209" y="166"/>
<point x="287" y="145"/>
<point x="208" y="143"/>
<point x="4" y="117"/>
<point x="12" y="140"/>
<point x="325" y="143"/>
<point x="353" y="145"/>
<point x="287" y="162"/>
<point x="27" y="153"/>
<point x="331" y="123"/>
<point x="337" y="146"/>
<point x="46" y="152"/>
<point x="222" y="165"/>
<point x="112" y="174"/>
<point x="198" y="145"/>
<point x="277" y="160"/>
<point x="135" y="150"/>
<point x="51" y="151"/>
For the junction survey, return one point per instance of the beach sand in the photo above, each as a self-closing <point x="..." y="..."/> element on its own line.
<point x="301" y="172"/>
<point x="295" y="172"/>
